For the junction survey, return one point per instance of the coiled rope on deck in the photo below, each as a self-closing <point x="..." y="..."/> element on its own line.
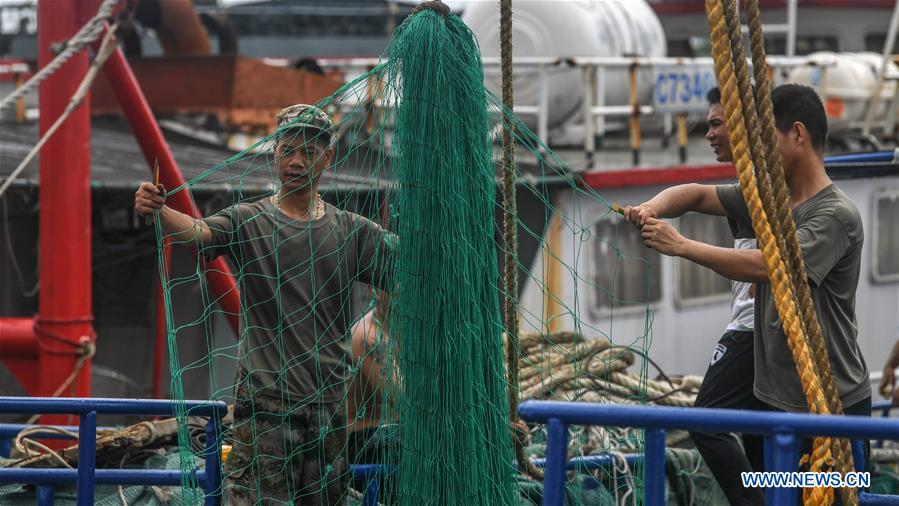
<point x="781" y="282"/>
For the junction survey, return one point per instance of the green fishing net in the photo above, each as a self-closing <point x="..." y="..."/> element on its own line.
<point x="389" y="348"/>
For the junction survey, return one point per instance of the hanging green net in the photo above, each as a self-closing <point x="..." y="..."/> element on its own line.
<point x="371" y="334"/>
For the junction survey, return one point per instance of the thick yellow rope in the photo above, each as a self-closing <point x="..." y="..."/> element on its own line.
<point x="758" y="153"/>
<point x="793" y="255"/>
<point x="781" y="282"/>
<point x="775" y="201"/>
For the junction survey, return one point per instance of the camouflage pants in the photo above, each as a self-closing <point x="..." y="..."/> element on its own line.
<point x="297" y="459"/>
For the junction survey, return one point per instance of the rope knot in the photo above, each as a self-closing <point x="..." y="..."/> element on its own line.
<point x="86" y="347"/>
<point x="434" y="5"/>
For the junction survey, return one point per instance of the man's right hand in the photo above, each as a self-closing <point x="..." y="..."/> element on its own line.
<point x="639" y="215"/>
<point x="148" y="198"/>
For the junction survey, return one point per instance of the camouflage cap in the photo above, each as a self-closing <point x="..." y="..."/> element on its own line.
<point x="306" y="116"/>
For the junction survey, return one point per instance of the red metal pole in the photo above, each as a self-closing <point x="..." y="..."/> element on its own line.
<point x="152" y="143"/>
<point x="161" y="330"/>
<point x="64" y="317"/>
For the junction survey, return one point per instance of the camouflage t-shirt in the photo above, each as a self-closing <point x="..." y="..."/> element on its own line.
<point x="295" y="280"/>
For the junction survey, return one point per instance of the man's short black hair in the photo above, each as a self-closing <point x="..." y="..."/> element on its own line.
<point x="714" y="95"/>
<point x="795" y="102"/>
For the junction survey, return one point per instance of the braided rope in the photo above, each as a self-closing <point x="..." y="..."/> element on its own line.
<point x="759" y="154"/>
<point x="510" y="234"/>
<point x="784" y="218"/>
<point x="86" y="35"/>
<point x="435" y="5"/>
<point x="774" y="263"/>
<point x="510" y="280"/>
<point x="781" y="196"/>
<point x="775" y="202"/>
<point x="107" y="47"/>
<point x="842" y="449"/>
<point x="843" y="453"/>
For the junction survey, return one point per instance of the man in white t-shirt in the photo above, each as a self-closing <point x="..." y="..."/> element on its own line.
<point x="728" y="382"/>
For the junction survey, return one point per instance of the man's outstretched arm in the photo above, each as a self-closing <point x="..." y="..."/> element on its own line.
<point x="177" y="225"/>
<point x="676" y="201"/>
<point x="736" y="264"/>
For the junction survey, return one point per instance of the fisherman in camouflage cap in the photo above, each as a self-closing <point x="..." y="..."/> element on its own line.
<point x="293" y="356"/>
<point x="303" y="116"/>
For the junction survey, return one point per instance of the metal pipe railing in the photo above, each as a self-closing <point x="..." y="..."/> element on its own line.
<point x="45" y="479"/>
<point x="86" y="476"/>
<point x="781" y="430"/>
<point x="593" y="75"/>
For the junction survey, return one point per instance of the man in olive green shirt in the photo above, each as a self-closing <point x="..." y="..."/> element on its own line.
<point x="830" y="236"/>
<point x="829" y="230"/>
<point x="298" y="258"/>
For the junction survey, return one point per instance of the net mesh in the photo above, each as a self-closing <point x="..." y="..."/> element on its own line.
<point x="369" y="329"/>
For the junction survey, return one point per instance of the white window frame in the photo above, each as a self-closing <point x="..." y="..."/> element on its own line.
<point x="682" y="302"/>
<point x="876" y="276"/>
<point x="603" y="312"/>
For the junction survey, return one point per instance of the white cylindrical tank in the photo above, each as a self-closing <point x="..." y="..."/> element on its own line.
<point x="568" y="28"/>
<point x="846" y="83"/>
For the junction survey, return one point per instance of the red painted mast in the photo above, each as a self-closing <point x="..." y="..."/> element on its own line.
<point x="59" y="336"/>
<point x="65" y="318"/>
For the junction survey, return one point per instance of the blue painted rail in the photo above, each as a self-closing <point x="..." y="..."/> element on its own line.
<point x="884" y="407"/>
<point x="782" y="432"/>
<point x="86" y="476"/>
<point x="588" y="462"/>
<point x="871" y="157"/>
<point x="47" y="479"/>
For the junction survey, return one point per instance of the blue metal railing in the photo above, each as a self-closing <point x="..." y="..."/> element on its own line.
<point x="46" y="479"/>
<point x="781" y="430"/>
<point x="86" y="475"/>
<point x="870" y="157"/>
<point x="884" y="407"/>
